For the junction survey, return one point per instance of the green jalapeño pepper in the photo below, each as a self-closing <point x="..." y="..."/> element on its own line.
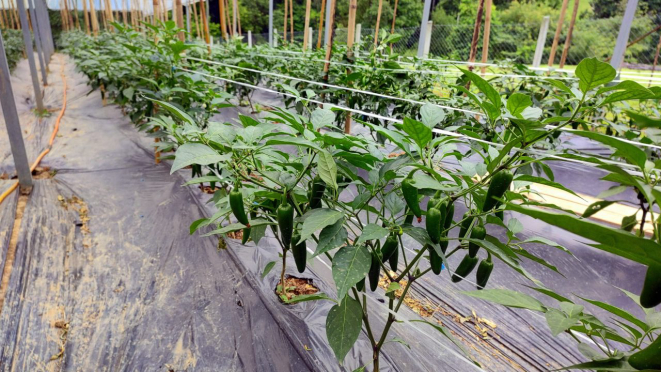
<point x="500" y="183"/>
<point x="465" y="267"/>
<point x="478" y="233"/>
<point x="285" y="217"/>
<point x="300" y="252"/>
<point x="236" y="204"/>
<point x="484" y="272"/>
<point x="411" y="197"/>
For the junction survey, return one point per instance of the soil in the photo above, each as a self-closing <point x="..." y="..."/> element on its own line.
<point x="296" y="287"/>
<point x="11" y="250"/>
<point x="43" y="172"/>
<point x="237" y="235"/>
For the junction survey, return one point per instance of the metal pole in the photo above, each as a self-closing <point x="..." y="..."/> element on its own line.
<point x="37" y="40"/>
<point x="541" y="41"/>
<point x="428" y="31"/>
<point x="271" y="24"/>
<point x="12" y="122"/>
<point x="423" y="25"/>
<point x="249" y="39"/>
<point x="623" y="35"/>
<point x="328" y="20"/>
<point x="27" y="40"/>
<point x="43" y="9"/>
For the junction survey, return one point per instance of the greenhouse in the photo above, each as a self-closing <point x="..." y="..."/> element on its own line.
<point x="391" y="185"/>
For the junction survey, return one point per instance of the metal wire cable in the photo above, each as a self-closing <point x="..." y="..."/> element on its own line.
<point x="435" y="130"/>
<point x="548" y="126"/>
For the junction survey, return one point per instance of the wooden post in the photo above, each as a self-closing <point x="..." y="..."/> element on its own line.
<point x="558" y="31"/>
<point x="476" y="34"/>
<point x="376" y="27"/>
<point x="206" y="25"/>
<point x="180" y="18"/>
<point x="656" y="59"/>
<point x="565" y="50"/>
<point x="306" y="36"/>
<point x="221" y="14"/>
<point x="124" y="15"/>
<point x="284" y="27"/>
<point x="351" y="28"/>
<point x="321" y="22"/>
<point x="487" y="34"/>
<point x="291" y="20"/>
<point x="95" y="19"/>
<point x="155" y="5"/>
<point x="14" y="13"/>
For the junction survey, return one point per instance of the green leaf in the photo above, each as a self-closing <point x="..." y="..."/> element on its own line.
<point x="618" y="312"/>
<point x="418" y="132"/>
<point x="128" y="92"/>
<point x="202" y="180"/>
<point x="267" y="269"/>
<point x="559" y="322"/>
<point x="642" y="121"/>
<point x="618" y="365"/>
<point x="290" y="140"/>
<point x="508" y="298"/>
<point x="176" y="112"/>
<point x="225" y="229"/>
<point x="560" y="85"/>
<point x="484" y="87"/>
<point x="372" y="232"/>
<point x="613" y="240"/>
<point x="309" y="297"/>
<point x="196" y="153"/>
<point x="593" y="73"/>
<point x="327" y="169"/>
<point x="197" y="224"/>
<point x="431" y="115"/>
<point x="317" y="219"/>
<point x="628" y="151"/>
<point x="596" y="207"/>
<point x="322" y="118"/>
<point x="343" y="325"/>
<point x="517" y="103"/>
<point x="393" y="287"/>
<point x="350" y="265"/>
<point x="543" y="181"/>
<point x="331" y="237"/>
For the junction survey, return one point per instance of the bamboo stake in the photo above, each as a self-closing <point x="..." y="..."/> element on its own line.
<point x="206" y="25"/>
<point x="180" y="19"/>
<point x="394" y="17"/>
<point x="306" y="34"/>
<point x="476" y="33"/>
<point x="378" y="20"/>
<point x="321" y="23"/>
<point x="329" y="47"/>
<point x="3" y="22"/>
<point x="291" y="19"/>
<point x="62" y="17"/>
<point x="565" y="49"/>
<point x="85" y="14"/>
<point x="10" y="20"/>
<point x="351" y="31"/>
<point x="74" y="8"/>
<point x="656" y="59"/>
<point x="221" y="13"/>
<point x="558" y="31"/>
<point x="487" y="34"/>
<point x="124" y="15"/>
<point x="95" y="20"/>
<point x="14" y="16"/>
<point x="238" y="15"/>
<point x="197" y="21"/>
<point x="230" y="31"/>
<point x="284" y="27"/>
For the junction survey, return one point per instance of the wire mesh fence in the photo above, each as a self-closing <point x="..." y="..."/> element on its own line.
<point x="514" y="42"/>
